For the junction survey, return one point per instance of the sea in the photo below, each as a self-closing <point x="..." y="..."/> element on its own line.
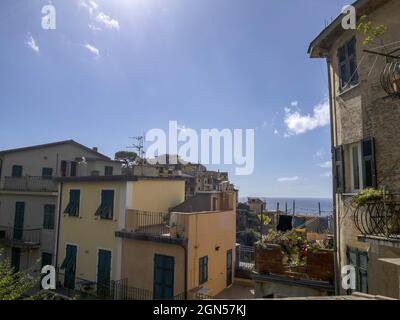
<point x="303" y="206"/>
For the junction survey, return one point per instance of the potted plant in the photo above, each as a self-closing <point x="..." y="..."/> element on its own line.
<point x="367" y="195"/>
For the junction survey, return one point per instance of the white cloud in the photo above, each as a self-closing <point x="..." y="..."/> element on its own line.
<point x="93" y="50"/>
<point x="288" y="179"/>
<point x="294" y="103"/>
<point x="31" y="43"/>
<point x="89" y="5"/>
<point x="276" y="132"/>
<point x="100" y="17"/>
<point x="93" y="27"/>
<point x="326" y="165"/>
<point x="326" y="174"/>
<point x="298" y="124"/>
<point x="320" y="154"/>
<point x="107" y="21"/>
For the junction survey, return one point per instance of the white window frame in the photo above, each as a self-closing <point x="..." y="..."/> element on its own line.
<point x="360" y="171"/>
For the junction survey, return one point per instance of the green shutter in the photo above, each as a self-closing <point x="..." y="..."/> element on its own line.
<point x="73" y="169"/>
<point x="47" y="259"/>
<point x="74" y="200"/>
<point x="339" y="172"/>
<point x="15" y="258"/>
<point x="368" y="163"/>
<point x="203" y="270"/>
<point x="49" y="213"/>
<point x="106" y="208"/>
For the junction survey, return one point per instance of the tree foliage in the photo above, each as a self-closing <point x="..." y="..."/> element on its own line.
<point x="370" y="30"/>
<point x="127" y="157"/>
<point x="22" y="285"/>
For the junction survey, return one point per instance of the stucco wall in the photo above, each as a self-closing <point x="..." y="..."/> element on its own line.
<point x="90" y="233"/>
<point x="138" y="263"/>
<point x="211" y="234"/>
<point x="359" y="113"/>
<point x="33" y="218"/>
<point x="155" y="195"/>
<point x="34" y="160"/>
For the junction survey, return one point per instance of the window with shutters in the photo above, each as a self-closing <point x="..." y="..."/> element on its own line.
<point x="203" y="270"/>
<point x="74" y="166"/>
<point x="347" y="58"/>
<point x="359" y="260"/>
<point x="106" y="208"/>
<point x="108" y="171"/>
<point x="63" y="169"/>
<point x="47" y="259"/>
<point x="16" y="171"/>
<point x="47" y="173"/>
<point x="356" y="167"/>
<point x="368" y="163"/>
<point x="49" y="213"/>
<point x="339" y="181"/>
<point x="73" y="205"/>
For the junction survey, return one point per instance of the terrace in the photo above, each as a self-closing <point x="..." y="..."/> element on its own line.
<point x="153" y="226"/>
<point x="30" y="184"/>
<point x="20" y="238"/>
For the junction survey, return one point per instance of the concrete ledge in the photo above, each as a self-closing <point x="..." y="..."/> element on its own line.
<point x="294" y="282"/>
<point x="380" y="240"/>
<point x="150" y="237"/>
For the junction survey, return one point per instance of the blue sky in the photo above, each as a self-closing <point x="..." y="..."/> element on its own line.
<point x="116" y="69"/>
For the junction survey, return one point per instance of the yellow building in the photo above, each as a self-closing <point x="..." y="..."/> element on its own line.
<point x="134" y="237"/>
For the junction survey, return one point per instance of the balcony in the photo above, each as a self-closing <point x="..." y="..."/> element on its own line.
<point x="28" y="183"/>
<point x="21" y="238"/>
<point x="379" y="222"/>
<point x="153" y="226"/>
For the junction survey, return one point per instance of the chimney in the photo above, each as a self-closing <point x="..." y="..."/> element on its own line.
<point x="95" y="149"/>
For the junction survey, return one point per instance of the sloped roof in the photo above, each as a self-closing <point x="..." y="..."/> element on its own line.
<point x="320" y="45"/>
<point x="53" y="144"/>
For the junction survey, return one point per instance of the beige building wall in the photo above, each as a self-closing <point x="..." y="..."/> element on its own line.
<point x="155" y="195"/>
<point x="138" y="263"/>
<point x="91" y="233"/>
<point x="32" y="162"/>
<point x="211" y="234"/>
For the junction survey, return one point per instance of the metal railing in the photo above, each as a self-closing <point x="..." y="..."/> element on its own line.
<point x="154" y="223"/>
<point x="245" y="259"/>
<point x="28" y="183"/>
<point x="379" y="218"/>
<point x="19" y="235"/>
<point x="121" y="291"/>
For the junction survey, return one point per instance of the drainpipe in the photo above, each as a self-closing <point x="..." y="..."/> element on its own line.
<point x="58" y="223"/>
<point x="335" y="248"/>
<point x="185" y="282"/>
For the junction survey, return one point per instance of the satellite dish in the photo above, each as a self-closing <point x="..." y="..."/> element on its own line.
<point x="83" y="161"/>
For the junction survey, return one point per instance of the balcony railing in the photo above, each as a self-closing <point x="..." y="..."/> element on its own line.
<point x="112" y="290"/>
<point x="245" y="258"/>
<point x="18" y="236"/>
<point x="28" y="183"/>
<point x="379" y="218"/>
<point x="147" y="222"/>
